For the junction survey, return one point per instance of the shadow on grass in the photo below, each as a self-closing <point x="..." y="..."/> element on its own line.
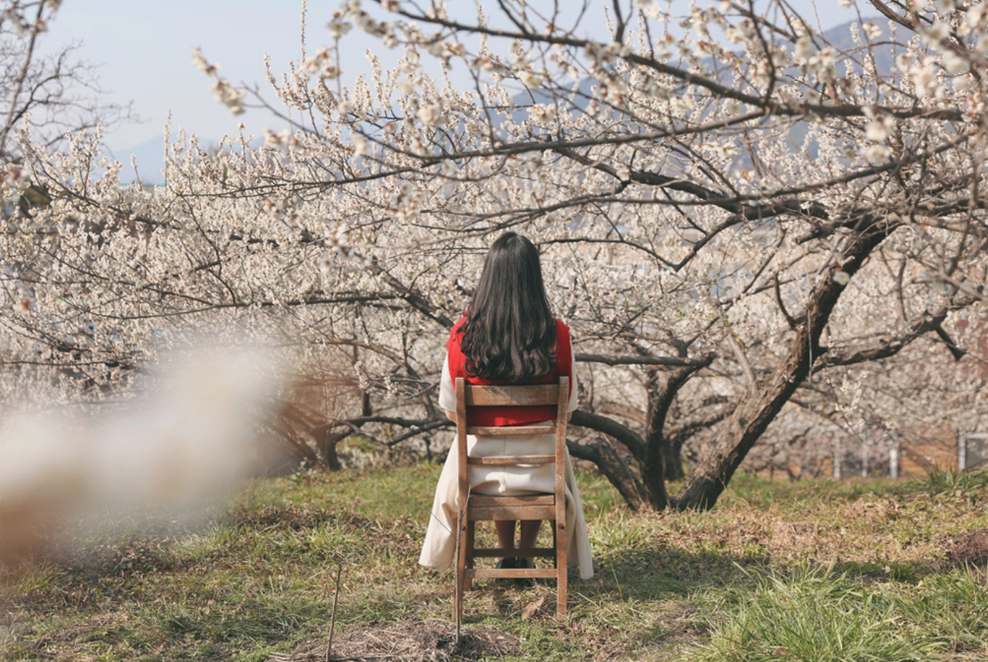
<point x="671" y="574"/>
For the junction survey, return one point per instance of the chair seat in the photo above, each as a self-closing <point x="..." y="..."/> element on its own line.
<point x="529" y="507"/>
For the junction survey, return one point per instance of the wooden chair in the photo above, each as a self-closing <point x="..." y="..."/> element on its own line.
<point x="473" y="508"/>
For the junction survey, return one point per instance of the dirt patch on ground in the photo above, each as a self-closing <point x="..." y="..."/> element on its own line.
<point x="411" y="641"/>
<point x="968" y="548"/>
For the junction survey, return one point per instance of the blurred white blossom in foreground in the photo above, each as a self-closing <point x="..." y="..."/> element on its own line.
<point x="172" y="453"/>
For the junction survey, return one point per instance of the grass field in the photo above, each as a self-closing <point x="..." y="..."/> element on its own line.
<point x="809" y="572"/>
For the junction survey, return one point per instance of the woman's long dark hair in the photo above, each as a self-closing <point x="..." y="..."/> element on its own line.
<point x="510" y="334"/>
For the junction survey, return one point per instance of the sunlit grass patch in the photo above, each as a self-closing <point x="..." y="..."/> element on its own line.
<point x="811" y="616"/>
<point x="946" y="481"/>
<point x="950" y="610"/>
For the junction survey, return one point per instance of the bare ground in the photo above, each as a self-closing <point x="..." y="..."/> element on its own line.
<point x="411" y="641"/>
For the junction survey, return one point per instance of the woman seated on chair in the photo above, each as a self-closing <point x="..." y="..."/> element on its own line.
<point x="507" y="336"/>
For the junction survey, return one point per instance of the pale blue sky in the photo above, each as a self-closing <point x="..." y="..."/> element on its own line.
<point x="143" y="50"/>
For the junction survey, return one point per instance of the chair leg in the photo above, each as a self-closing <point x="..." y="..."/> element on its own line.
<point x="460" y="574"/>
<point x="471" y="531"/>
<point x="555" y="561"/>
<point x="561" y="566"/>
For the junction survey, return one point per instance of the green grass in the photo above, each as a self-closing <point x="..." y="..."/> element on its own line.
<point x="815" y="571"/>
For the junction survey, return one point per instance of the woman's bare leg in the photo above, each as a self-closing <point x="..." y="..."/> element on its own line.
<point x="506" y="533"/>
<point x="529" y="533"/>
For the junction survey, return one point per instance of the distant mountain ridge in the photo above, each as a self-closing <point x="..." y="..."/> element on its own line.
<point x="150" y="159"/>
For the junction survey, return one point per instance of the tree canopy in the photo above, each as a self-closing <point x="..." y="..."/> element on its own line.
<point x="756" y="230"/>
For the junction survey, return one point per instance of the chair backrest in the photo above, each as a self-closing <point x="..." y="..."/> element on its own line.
<point x="469" y="395"/>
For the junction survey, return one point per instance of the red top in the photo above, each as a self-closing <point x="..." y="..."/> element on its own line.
<point x="497" y="416"/>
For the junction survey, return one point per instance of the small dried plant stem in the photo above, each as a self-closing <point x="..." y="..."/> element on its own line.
<point x="332" y="618"/>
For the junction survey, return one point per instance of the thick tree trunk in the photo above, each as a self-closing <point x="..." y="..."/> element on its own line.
<point x="672" y="457"/>
<point x="658" y="447"/>
<point x="754" y="412"/>
<point x="654" y="467"/>
<point x="614" y="468"/>
<point x="608" y="461"/>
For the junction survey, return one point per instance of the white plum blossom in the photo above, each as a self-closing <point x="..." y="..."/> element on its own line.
<point x="936" y="33"/>
<point x="338" y="27"/>
<point x="977" y="15"/>
<point x="202" y="64"/>
<point x="876" y="154"/>
<point x="530" y="79"/>
<point x="872" y="30"/>
<point x="924" y="78"/>
<point x="878" y="130"/>
<point x="944" y="7"/>
<point x="954" y="63"/>
<point x="804" y="49"/>
<point x="879" y="125"/>
<point x="542" y="112"/>
<point x="274" y="140"/>
<point x="431" y="115"/>
<point x="229" y="95"/>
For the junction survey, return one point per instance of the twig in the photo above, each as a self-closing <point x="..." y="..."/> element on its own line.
<point x="332" y="618"/>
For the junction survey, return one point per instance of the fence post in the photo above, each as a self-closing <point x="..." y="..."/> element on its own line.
<point x="836" y="445"/>
<point x="894" y="457"/>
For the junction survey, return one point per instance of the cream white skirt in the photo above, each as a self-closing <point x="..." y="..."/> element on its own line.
<point x="440" y="538"/>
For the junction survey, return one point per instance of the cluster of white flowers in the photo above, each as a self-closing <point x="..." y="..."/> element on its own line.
<point x="661" y="221"/>
<point x="21" y="26"/>
<point x="820" y="63"/>
<point x="321" y="64"/>
<point x="925" y="78"/>
<point x="223" y="91"/>
<point x="879" y="125"/>
<point x="229" y="95"/>
<point x="12" y="179"/>
<point x="431" y="114"/>
<point x="542" y="112"/>
<point x="339" y="26"/>
<point x="283" y="138"/>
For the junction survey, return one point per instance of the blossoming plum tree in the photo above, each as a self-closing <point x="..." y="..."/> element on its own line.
<point x="735" y="216"/>
<point x="781" y="165"/>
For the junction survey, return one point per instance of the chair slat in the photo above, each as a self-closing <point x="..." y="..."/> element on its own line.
<point x="510" y="430"/>
<point x="524" y="552"/>
<point x="482" y="513"/>
<point x="512" y="573"/>
<point x="509" y="396"/>
<point x="502" y="460"/>
<point x="533" y="500"/>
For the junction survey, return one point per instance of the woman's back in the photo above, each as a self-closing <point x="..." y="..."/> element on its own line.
<point x="507" y="336"/>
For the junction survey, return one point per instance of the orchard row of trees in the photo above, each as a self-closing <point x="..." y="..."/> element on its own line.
<point x="756" y="235"/>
